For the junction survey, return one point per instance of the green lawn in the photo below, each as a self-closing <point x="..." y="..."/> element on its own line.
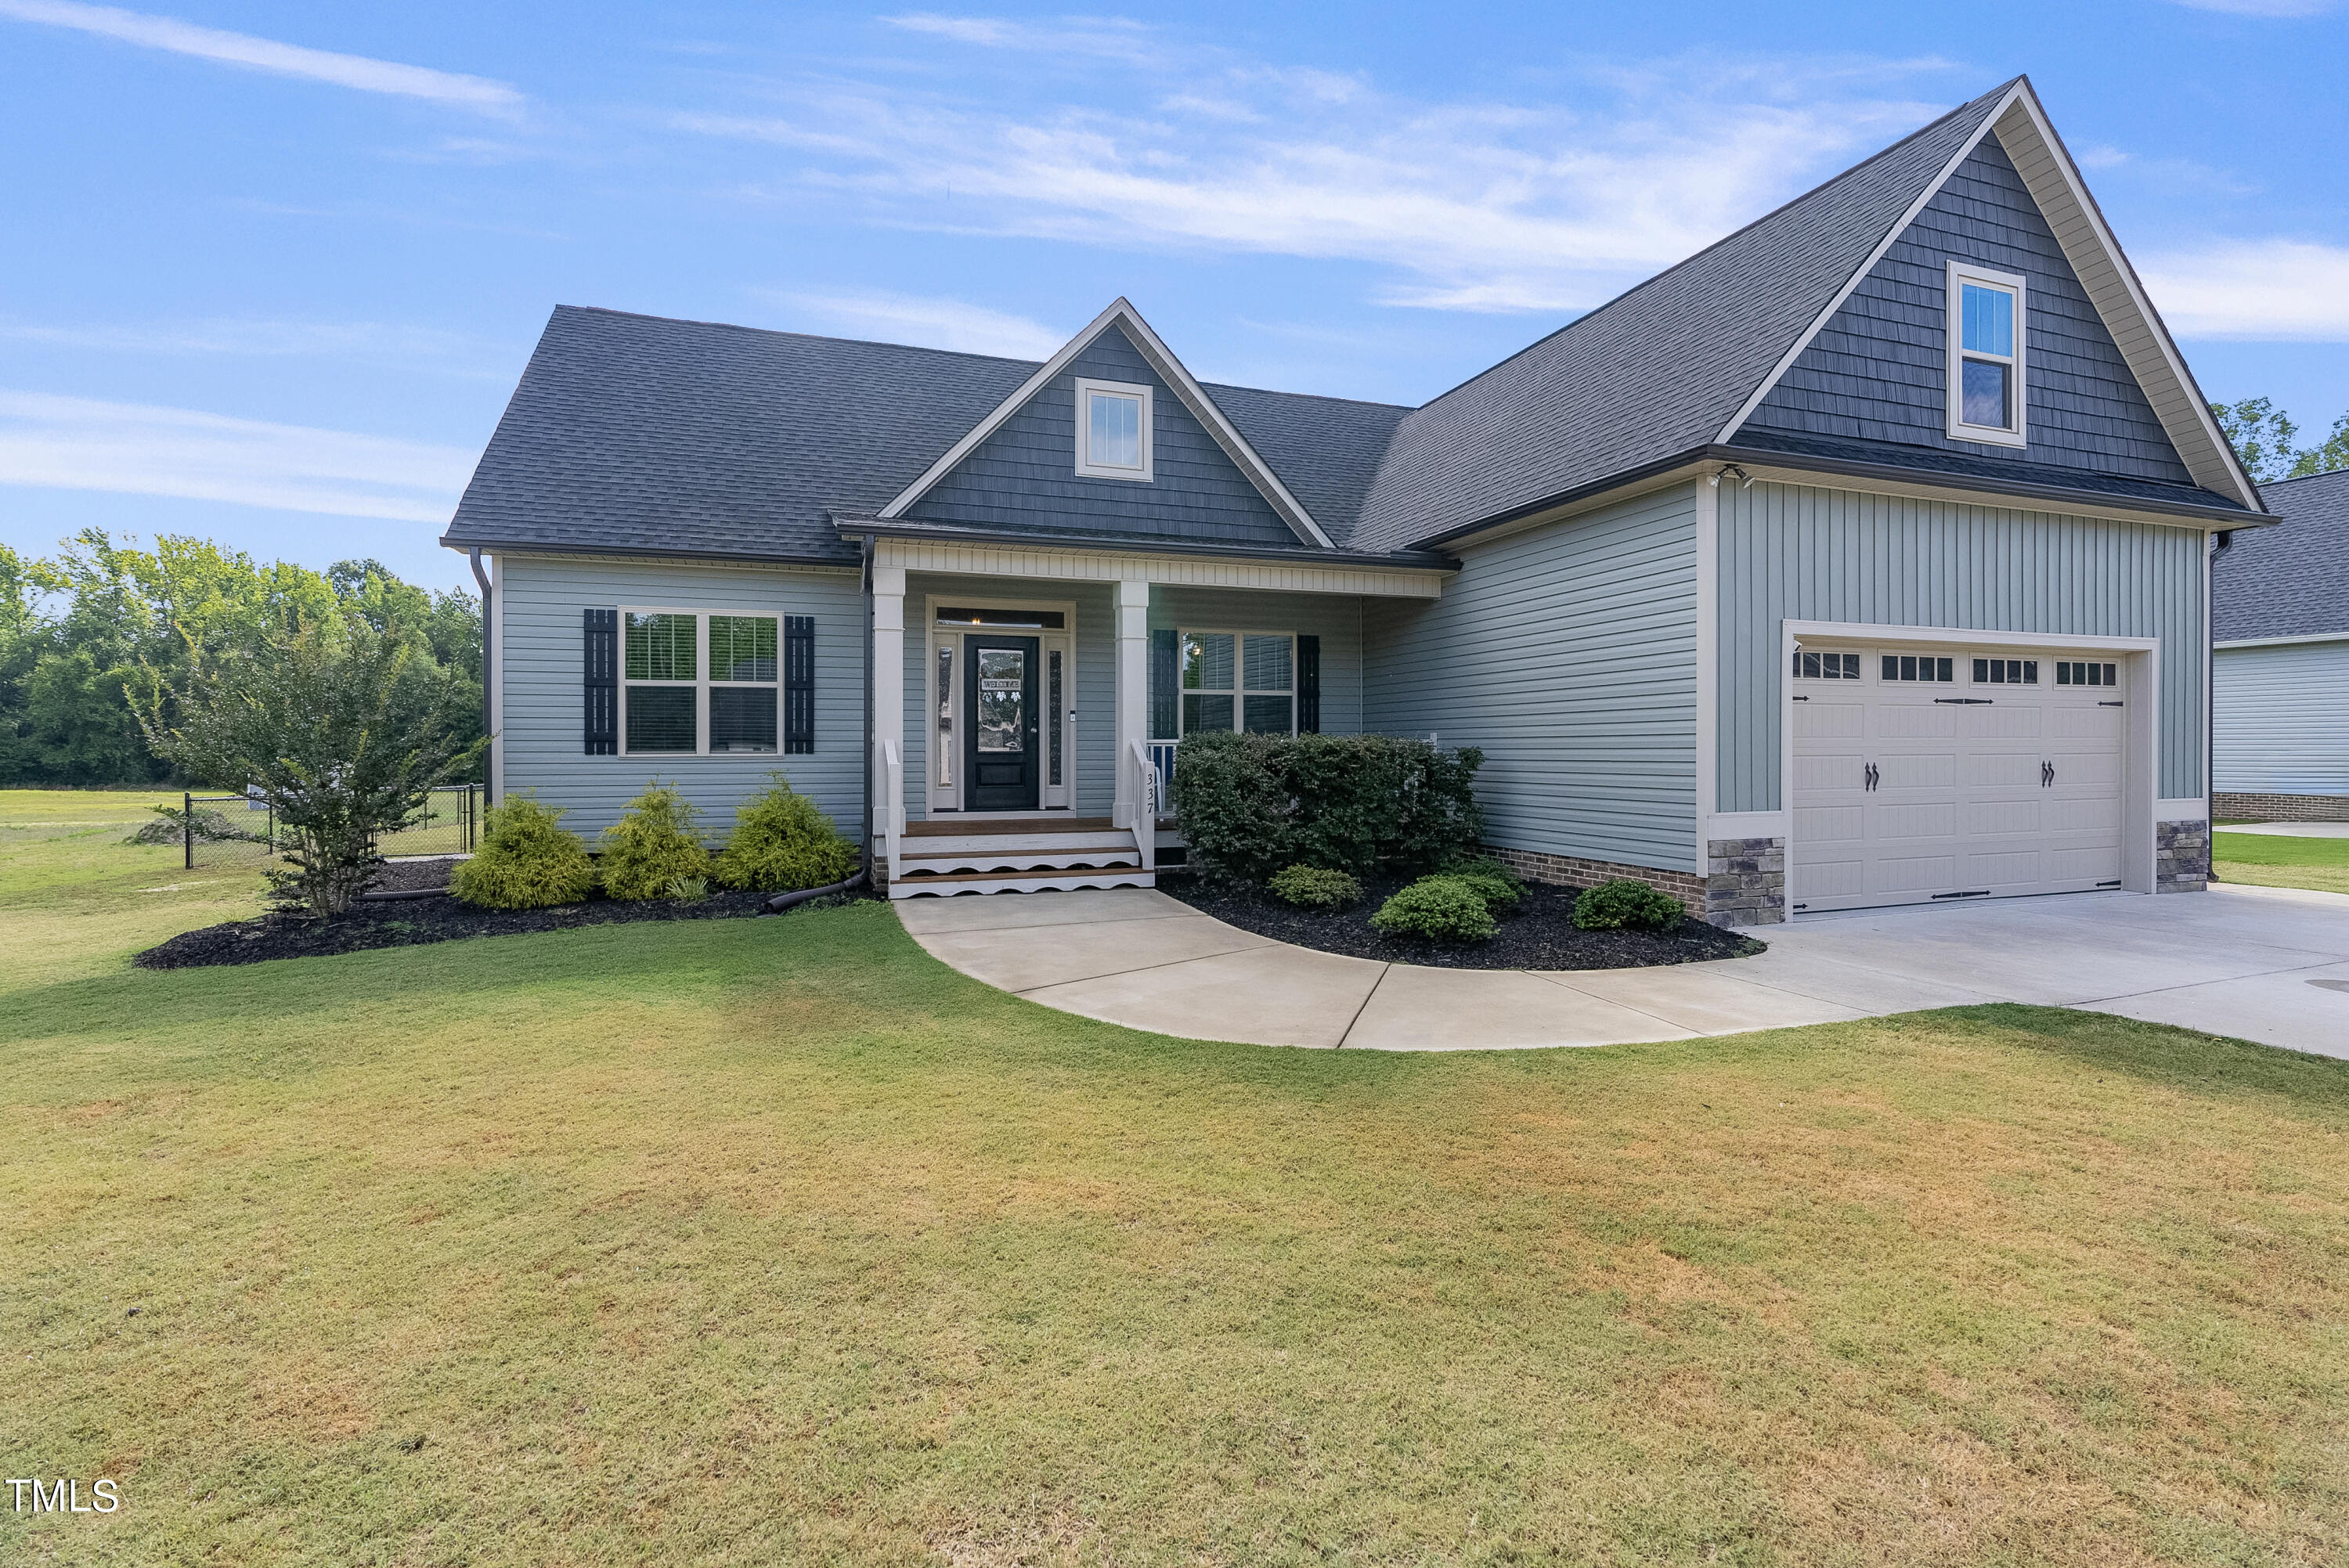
<point x="766" y="1242"/>
<point x="2268" y="860"/>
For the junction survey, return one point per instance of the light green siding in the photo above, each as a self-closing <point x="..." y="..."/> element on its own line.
<point x="1568" y="655"/>
<point x="543" y="733"/>
<point x="1803" y="554"/>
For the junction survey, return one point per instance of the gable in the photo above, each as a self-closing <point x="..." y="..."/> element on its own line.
<point x="1876" y="375"/>
<point x="1023" y="474"/>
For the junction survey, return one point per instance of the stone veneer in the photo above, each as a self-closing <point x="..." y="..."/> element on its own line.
<point x="1745" y="882"/>
<point x="2181" y="856"/>
<point x="1570" y="870"/>
<point x="2239" y="807"/>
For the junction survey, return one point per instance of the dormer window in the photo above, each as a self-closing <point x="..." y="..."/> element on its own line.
<point x="1114" y="430"/>
<point x="1986" y="334"/>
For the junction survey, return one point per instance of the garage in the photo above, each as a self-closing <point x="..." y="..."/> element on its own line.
<point x="1925" y="774"/>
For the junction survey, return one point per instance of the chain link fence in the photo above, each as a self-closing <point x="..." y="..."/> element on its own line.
<point x="236" y="831"/>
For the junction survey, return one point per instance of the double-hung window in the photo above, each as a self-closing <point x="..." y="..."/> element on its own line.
<point x="1114" y="430"/>
<point x="1239" y="680"/>
<point x="696" y="684"/>
<point x="1986" y="333"/>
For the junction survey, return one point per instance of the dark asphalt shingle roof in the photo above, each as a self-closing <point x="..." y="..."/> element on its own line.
<point x="641" y="433"/>
<point x="2290" y="580"/>
<point x="1657" y="371"/>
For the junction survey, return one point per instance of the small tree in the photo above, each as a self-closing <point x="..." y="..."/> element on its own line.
<point x="337" y="725"/>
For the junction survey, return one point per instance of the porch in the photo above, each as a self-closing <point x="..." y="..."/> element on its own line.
<point x="1030" y="742"/>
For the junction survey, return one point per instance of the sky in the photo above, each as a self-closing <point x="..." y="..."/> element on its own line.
<point x="271" y="270"/>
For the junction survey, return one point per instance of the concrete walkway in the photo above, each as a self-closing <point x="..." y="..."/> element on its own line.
<point x="2290" y="829"/>
<point x="2263" y="964"/>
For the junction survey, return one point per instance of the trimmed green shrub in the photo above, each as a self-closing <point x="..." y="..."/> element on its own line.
<point x="525" y="859"/>
<point x="653" y="844"/>
<point x="1364" y="804"/>
<point x="1310" y="887"/>
<point x="1441" y="908"/>
<point x="782" y="843"/>
<point x="1612" y="905"/>
<point x="1499" y="886"/>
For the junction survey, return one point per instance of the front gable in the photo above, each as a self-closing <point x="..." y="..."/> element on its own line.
<point x="1876" y="373"/>
<point x="1022" y="475"/>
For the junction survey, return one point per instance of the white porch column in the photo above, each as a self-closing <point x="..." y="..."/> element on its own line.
<point x="888" y="693"/>
<point x="1133" y="692"/>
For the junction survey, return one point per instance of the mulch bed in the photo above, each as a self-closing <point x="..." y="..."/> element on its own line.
<point x="410" y="922"/>
<point x="1541" y="934"/>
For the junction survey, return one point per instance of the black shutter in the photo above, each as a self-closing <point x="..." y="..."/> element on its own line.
<point x="798" y="683"/>
<point x="1308" y="686"/>
<point x="1162" y="686"/>
<point x="599" y="665"/>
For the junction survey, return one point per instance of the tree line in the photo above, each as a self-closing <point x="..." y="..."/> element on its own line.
<point x="100" y="633"/>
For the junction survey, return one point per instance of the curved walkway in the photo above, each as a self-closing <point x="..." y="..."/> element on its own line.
<point x="2263" y="964"/>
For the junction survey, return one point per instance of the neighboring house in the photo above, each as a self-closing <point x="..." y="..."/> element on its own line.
<point x="2280" y="615"/>
<point x="1860" y="559"/>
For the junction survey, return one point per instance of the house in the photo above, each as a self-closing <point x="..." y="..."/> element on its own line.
<point x="1860" y="559"/>
<point x="2279" y="621"/>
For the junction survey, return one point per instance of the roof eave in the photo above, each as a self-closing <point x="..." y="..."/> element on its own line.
<point x="855" y="526"/>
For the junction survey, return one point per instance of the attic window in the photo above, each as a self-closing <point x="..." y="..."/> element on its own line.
<point x="1114" y="430"/>
<point x="1986" y="333"/>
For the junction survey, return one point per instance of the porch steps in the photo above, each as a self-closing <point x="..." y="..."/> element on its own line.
<point x="1014" y="854"/>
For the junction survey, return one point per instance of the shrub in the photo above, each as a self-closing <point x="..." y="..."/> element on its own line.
<point x="525" y="859"/>
<point x="1498" y="885"/>
<point x="1310" y="887"/>
<point x="653" y="844"/>
<point x="1441" y="908"/>
<point x="689" y="890"/>
<point x="781" y="842"/>
<point x="1612" y="905"/>
<point x="1364" y="804"/>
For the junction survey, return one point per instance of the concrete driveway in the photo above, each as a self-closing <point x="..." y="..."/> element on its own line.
<point x="2261" y="964"/>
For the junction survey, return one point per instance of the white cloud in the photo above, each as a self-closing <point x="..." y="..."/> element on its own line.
<point x="2276" y="8"/>
<point x="2263" y="290"/>
<point x="1477" y="206"/>
<point x="357" y="71"/>
<point x="376" y="343"/>
<point x="1106" y="37"/>
<point x="82" y="443"/>
<point x="929" y="322"/>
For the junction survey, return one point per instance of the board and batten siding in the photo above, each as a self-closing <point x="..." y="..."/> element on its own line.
<point x="1335" y="618"/>
<point x="1800" y="553"/>
<point x="543" y="738"/>
<point x="2281" y="720"/>
<point x="1568" y="655"/>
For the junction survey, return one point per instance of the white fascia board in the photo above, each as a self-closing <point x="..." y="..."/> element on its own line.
<point x="2281" y="642"/>
<point x="1121" y="313"/>
<point x="1965" y="636"/>
<point x="2112" y="286"/>
<point x="1899" y="227"/>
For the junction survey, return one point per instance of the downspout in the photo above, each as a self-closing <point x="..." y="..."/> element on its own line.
<point x="2219" y="543"/>
<point x="866" y="848"/>
<point x="489" y="774"/>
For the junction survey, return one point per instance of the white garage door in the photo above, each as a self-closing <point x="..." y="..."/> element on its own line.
<point x="1949" y="774"/>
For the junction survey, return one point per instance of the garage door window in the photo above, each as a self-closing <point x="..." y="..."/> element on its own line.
<point x="1826" y="666"/>
<point x="1919" y="667"/>
<point x="2006" y="672"/>
<point x="2072" y="672"/>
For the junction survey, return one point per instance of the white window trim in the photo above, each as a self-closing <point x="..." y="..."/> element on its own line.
<point x="1960" y="275"/>
<point x="702" y="682"/>
<point x="1147" y="473"/>
<point x="949" y="635"/>
<point x="1238" y="691"/>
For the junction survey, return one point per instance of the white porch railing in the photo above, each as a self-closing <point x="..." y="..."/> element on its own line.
<point x="1162" y="762"/>
<point x="890" y="804"/>
<point x="1146" y="798"/>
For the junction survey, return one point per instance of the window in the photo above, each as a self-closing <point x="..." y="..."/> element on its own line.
<point x="1239" y="680"/>
<point x="2071" y="672"/>
<point x="670" y="705"/>
<point x="1826" y="666"/>
<point x="1919" y="667"/>
<point x="1114" y="430"/>
<point x="2006" y="672"/>
<point x="1986" y="331"/>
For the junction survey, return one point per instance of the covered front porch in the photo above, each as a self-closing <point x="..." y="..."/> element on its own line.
<point x="1030" y="742"/>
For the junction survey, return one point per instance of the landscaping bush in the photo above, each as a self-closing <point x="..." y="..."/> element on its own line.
<point x="1310" y="887"/>
<point x="1364" y="804"/>
<point x="525" y="859"/>
<point x="1612" y="905"/>
<point x="652" y="845"/>
<point x="1441" y="908"/>
<point x="782" y="843"/>
<point x="1498" y="885"/>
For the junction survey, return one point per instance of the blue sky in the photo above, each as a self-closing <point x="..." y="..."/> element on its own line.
<point x="271" y="269"/>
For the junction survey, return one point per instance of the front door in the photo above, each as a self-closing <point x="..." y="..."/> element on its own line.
<point x="1000" y="742"/>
